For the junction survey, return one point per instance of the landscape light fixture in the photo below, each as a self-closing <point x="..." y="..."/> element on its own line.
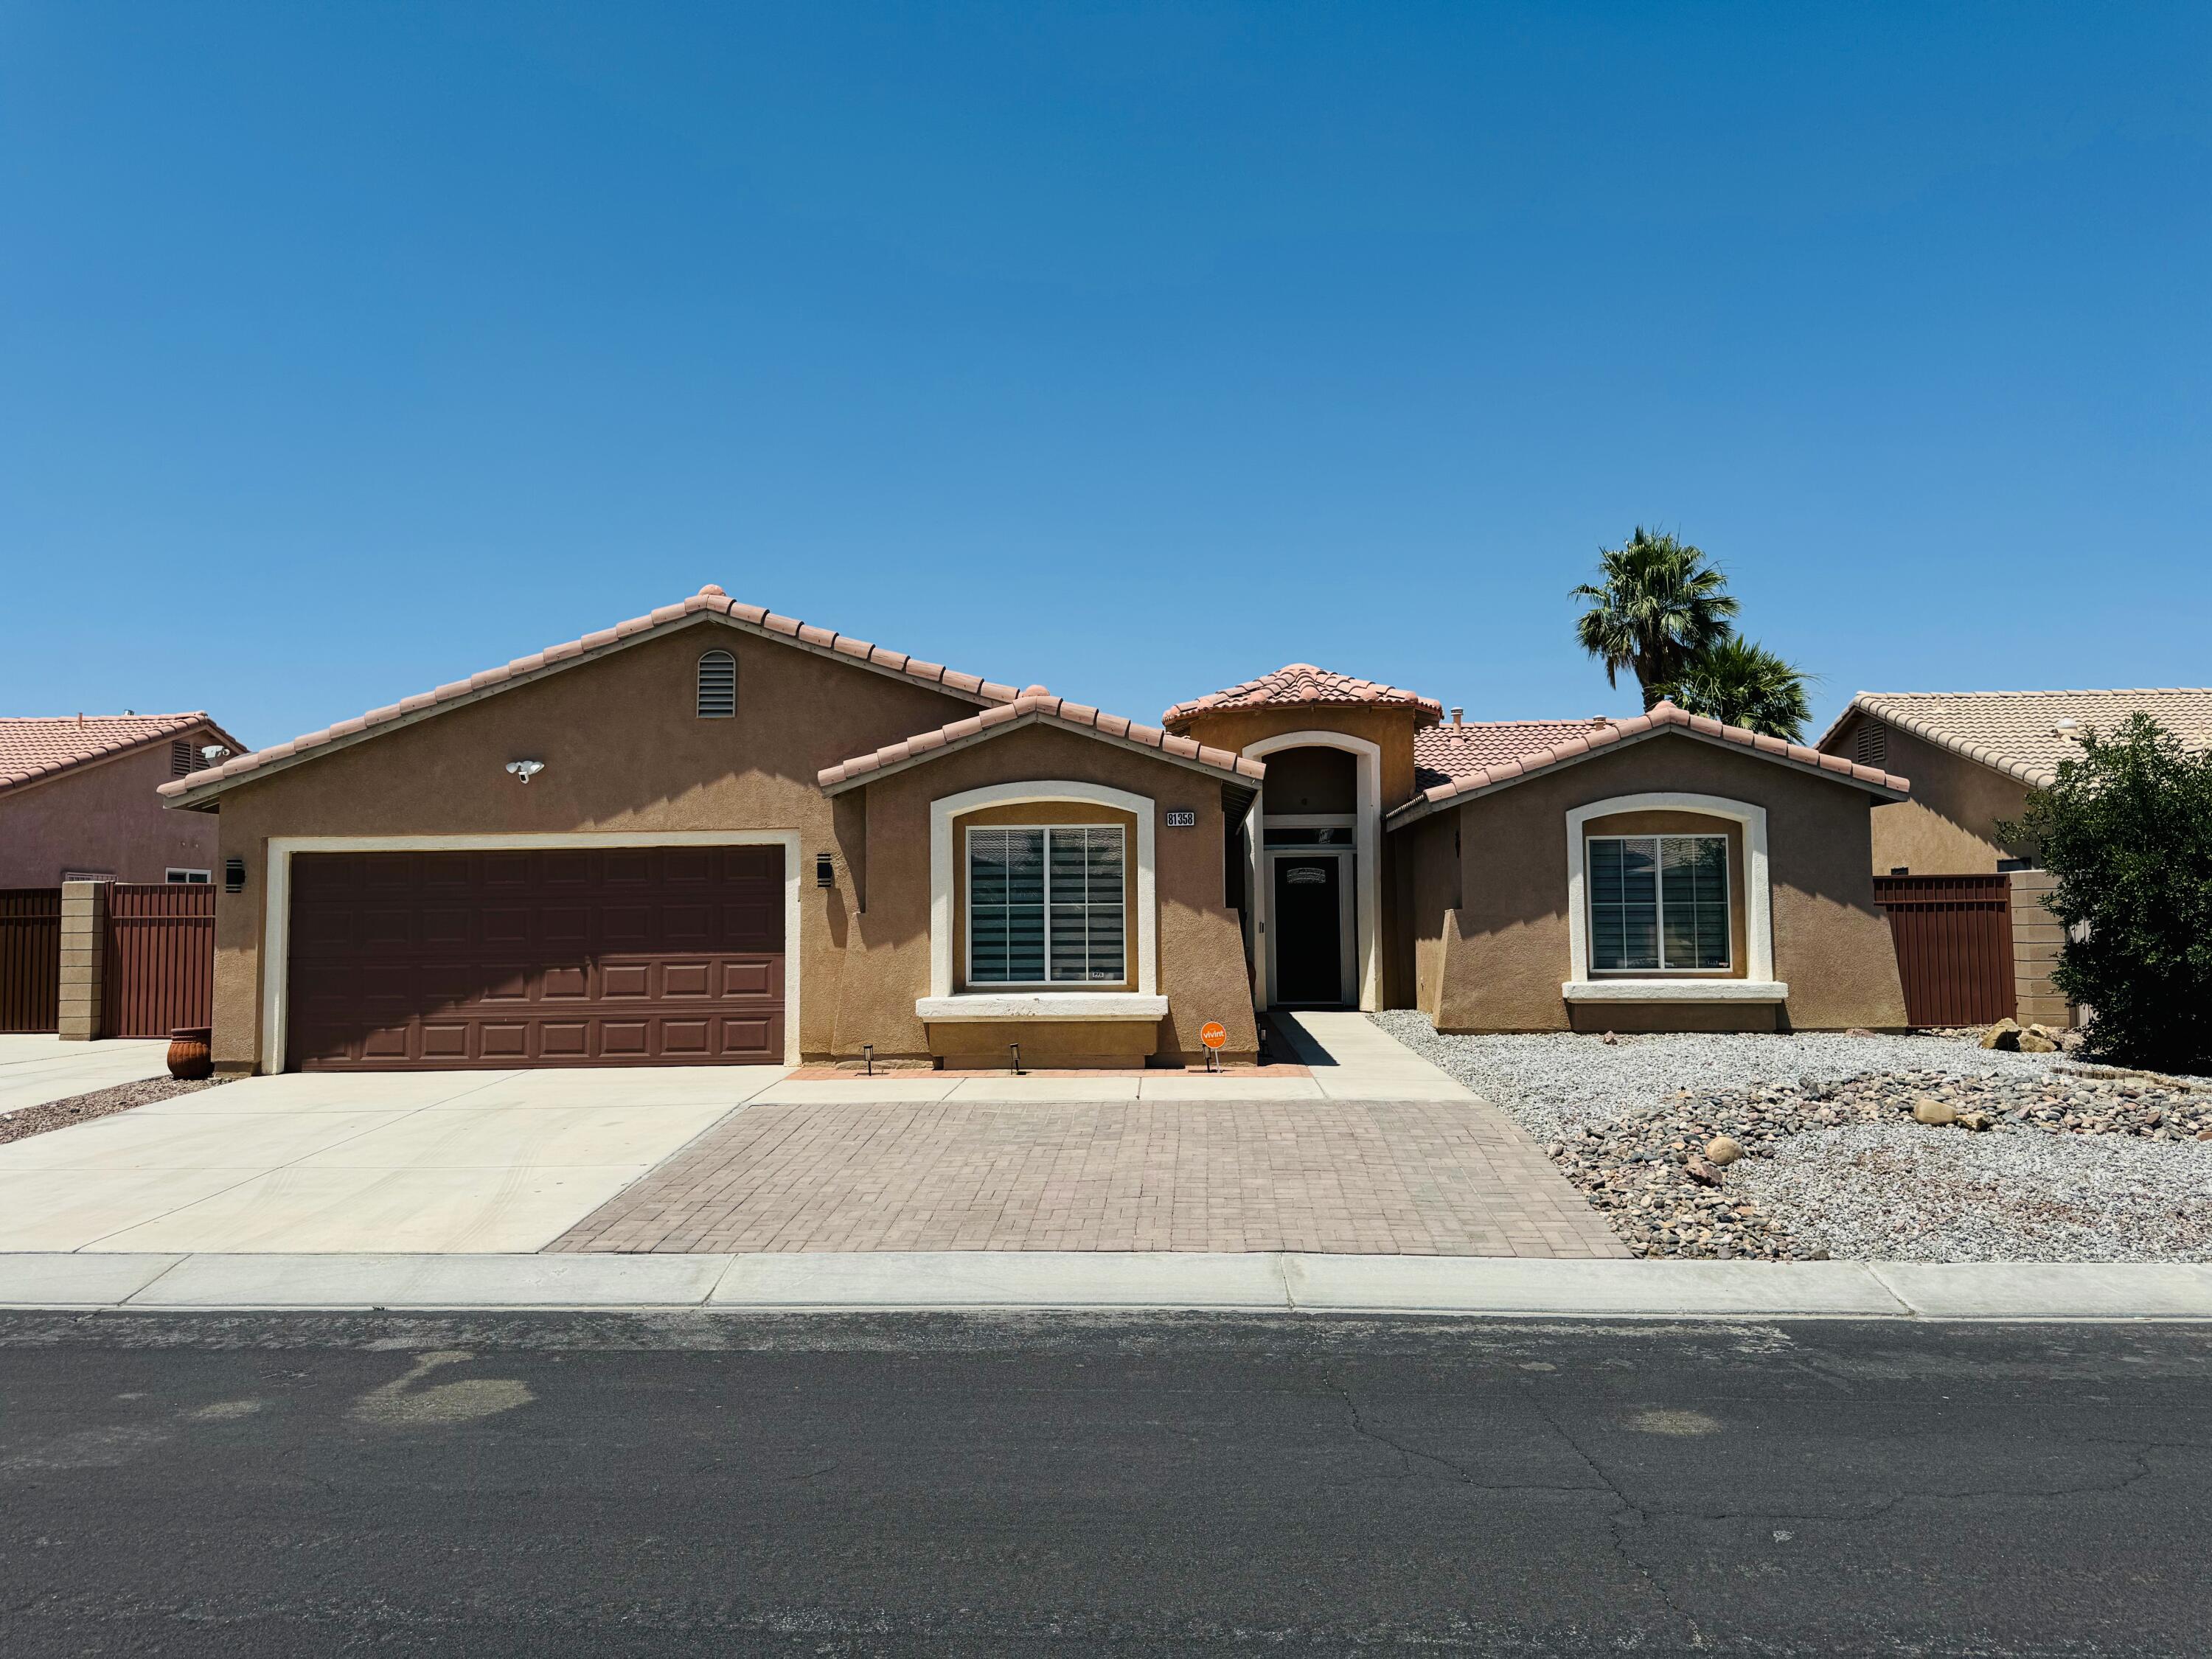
<point x="526" y="769"/>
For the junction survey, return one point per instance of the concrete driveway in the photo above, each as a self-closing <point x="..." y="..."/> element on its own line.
<point x="36" y="1067"/>
<point x="486" y="1161"/>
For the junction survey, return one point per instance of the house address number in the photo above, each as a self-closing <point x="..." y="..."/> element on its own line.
<point x="1182" y="817"/>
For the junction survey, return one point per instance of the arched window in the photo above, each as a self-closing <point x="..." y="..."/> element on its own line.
<point x="718" y="685"/>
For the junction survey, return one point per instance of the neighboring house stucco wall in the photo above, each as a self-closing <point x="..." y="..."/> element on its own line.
<point x="624" y="751"/>
<point x="1949" y="827"/>
<point x="103" y="817"/>
<point x="1496" y="963"/>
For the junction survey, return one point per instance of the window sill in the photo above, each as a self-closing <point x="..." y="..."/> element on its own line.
<point x="1674" y="990"/>
<point x="1042" y="1005"/>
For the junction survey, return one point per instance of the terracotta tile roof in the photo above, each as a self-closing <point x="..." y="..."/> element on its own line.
<point x="33" y="748"/>
<point x="1301" y="683"/>
<point x="1442" y="753"/>
<point x="1031" y="707"/>
<point x="709" y="600"/>
<point x="2018" y="733"/>
<point x="1594" y="739"/>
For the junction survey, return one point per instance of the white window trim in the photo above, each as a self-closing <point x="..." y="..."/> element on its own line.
<point x="1759" y="983"/>
<point x="1047" y="983"/>
<point x="947" y="809"/>
<point x="1727" y="883"/>
<point x="176" y="875"/>
<point x="277" y="915"/>
<point x="1366" y="843"/>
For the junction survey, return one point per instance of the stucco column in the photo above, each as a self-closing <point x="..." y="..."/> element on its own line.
<point x="84" y="950"/>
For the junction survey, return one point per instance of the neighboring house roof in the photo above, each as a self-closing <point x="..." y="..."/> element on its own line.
<point x="709" y="603"/>
<point x="1662" y="717"/>
<point x="1033" y="708"/>
<point x="1442" y="753"/>
<point x="2018" y="733"/>
<point x="35" y="748"/>
<point x="1301" y="683"/>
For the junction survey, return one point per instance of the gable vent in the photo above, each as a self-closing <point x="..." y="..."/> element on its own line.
<point x="718" y="686"/>
<point x="185" y="758"/>
<point x="1872" y="745"/>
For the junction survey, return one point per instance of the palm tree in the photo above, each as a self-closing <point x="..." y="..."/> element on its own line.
<point x="1657" y="604"/>
<point x="1739" y="683"/>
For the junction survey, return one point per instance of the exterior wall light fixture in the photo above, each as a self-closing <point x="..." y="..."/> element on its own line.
<point x="825" y="870"/>
<point x="525" y="770"/>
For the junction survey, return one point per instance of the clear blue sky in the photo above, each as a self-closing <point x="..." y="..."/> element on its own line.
<point x="348" y="349"/>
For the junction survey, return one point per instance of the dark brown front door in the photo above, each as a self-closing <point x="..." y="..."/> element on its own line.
<point x="1308" y="930"/>
<point x="656" y="956"/>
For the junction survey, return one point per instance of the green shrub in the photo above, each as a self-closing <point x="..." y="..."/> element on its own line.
<point x="2127" y="830"/>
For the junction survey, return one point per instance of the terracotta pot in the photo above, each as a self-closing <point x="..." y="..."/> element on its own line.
<point x="190" y="1057"/>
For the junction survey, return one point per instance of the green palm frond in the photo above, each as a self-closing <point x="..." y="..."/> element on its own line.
<point x="1738" y="681"/>
<point x="1658" y="603"/>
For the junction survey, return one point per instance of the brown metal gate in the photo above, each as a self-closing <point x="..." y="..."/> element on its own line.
<point x="159" y="970"/>
<point x="30" y="958"/>
<point x="1954" y="940"/>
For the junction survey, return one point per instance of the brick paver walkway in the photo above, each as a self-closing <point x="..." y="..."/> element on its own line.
<point x="1411" y="1178"/>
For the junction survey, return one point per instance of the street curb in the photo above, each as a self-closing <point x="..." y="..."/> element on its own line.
<point x="1045" y="1281"/>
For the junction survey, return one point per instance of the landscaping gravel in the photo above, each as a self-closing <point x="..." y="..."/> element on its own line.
<point x="1908" y="1148"/>
<point x="1903" y="1192"/>
<point x="1556" y="1082"/>
<point x="28" y="1121"/>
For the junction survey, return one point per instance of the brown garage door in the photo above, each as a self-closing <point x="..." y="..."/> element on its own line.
<point x="616" y="957"/>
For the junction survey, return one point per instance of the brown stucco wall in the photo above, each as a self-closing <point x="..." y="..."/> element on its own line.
<point x="1496" y="963"/>
<point x="624" y="752"/>
<point x="105" y="818"/>
<point x="1949" y="828"/>
<point x="1202" y="957"/>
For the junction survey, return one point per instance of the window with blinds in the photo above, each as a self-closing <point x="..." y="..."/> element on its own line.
<point x="718" y="686"/>
<point x="1658" y="902"/>
<point x="1045" y="905"/>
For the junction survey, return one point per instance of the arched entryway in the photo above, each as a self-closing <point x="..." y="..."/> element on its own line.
<point x="1314" y="872"/>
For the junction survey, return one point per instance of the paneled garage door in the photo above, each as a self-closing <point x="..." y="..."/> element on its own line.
<point x="667" y="956"/>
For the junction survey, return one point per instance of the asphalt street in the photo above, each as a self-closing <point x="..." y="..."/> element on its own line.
<point x="733" y="1483"/>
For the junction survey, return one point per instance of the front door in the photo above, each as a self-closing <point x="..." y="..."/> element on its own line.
<point x="1307" y="919"/>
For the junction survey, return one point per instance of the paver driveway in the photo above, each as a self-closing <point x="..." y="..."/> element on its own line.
<point x="1433" y="1177"/>
<point x="438" y="1161"/>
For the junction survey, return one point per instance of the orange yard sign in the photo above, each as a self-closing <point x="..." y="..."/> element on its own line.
<point x="1213" y="1034"/>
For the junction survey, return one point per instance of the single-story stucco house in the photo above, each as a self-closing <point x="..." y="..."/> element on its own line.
<point x="1973" y="755"/>
<point x="77" y="799"/>
<point x="714" y="834"/>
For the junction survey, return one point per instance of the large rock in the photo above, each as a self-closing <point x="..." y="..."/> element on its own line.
<point x="2029" y="1042"/>
<point x="1937" y="1112"/>
<point x="2005" y="1034"/>
<point x="1724" y="1150"/>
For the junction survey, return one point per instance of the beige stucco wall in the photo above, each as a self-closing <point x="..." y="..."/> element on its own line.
<point x="624" y="752"/>
<point x="1496" y="963"/>
<point x="106" y="818"/>
<point x="1949" y="828"/>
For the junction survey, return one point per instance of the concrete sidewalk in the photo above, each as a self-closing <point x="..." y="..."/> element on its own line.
<point x="1047" y="1280"/>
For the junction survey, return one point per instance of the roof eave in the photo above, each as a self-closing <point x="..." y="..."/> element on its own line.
<point x="1238" y="773"/>
<point x="413" y="710"/>
<point x="1443" y="797"/>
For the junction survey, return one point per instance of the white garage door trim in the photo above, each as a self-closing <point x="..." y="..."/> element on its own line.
<point x="276" y="921"/>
